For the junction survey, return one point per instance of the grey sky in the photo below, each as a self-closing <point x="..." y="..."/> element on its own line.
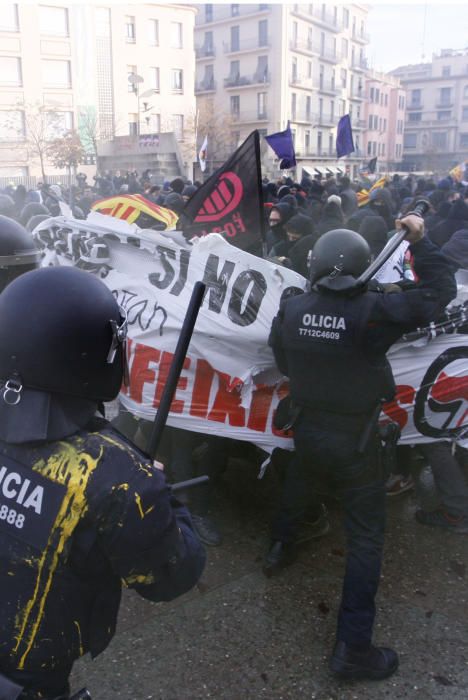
<point x="397" y="31"/>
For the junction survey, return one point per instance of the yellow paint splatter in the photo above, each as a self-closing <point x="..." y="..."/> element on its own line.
<point x="144" y="579"/>
<point x="140" y="506"/>
<point x="72" y="467"/>
<point x="75" y="622"/>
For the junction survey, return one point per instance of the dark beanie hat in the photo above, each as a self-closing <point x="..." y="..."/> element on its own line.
<point x="177" y="185"/>
<point x="175" y="202"/>
<point x="300" y="224"/>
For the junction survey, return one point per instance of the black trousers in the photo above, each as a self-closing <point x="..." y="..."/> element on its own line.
<point x="326" y="448"/>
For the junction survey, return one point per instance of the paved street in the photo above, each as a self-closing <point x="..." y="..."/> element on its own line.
<point x="242" y="636"/>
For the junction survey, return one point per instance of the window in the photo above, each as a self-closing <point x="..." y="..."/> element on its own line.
<point x="294" y="33"/>
<point x="56" y="74"/>
<point x="177" y="80"/>
<point x="154" y="78"/>
<point x="178" y="126"/>
<point x="208" y="78"/>
<point x="385" y="125"/>
<point x="465" y="92"/>
<point x="320" y="108"/>
<point x="345" y="17"/>
<point x="444" y="115"/>
<point x="12" y="125"/>
<point x="293" y="105"/>
<point x="401" y="102"/>
<point x="439" y="139"/>
<point x="369" y="148"/>
<point x="235" y="106"/>
<point x="155" y="123"/>
<point x="263" y="32"/>
<point x="153" y="32"/>
<point x="332" y="110"/>
<point x="321" y="76"/>
<point x="10" y="71"/>
<point x="307" y="141"/>
<point x="410" y="140"/>
<point x="322" y="43"/>
<point x="383" y="149"/>
<point x="176" y="35"/>
<point x="53" y="21"/>
<point x="319" y="142"/>
<point x="464" y="140"/>
<point x="234" y="9"/>
<point x="445" y="71"/>
<point x="342" y="107"/>
<point x="371" y="94"/>
<point x="330" y="144"/>
<point x="344" y="48"/>
<point x="414" y="116"/>
<point x="131" y="72"/>
<point x="209" y="13"/>
<point x="9" y="17"/>
<point x="262" y="105"/>
<point x="344" y="77"/>
<point x="234" y="73"/>
<point x="309" y="39"/>
<point x="386" y="100"/>
<point x="208" y="44"/>
<point x="133" y="124"/>
<point x="57" y="124"/>
<point x="464" y="114"/>
<point x="308" y="108"/>
<point x="294" y="69"/>
<point x="445" y="96"/>
<point x="374" y="148"/>
<point x="415" y="98"/>
<point x="371" y="121"/>
<point x="235" y="38"/>
<point x="309" y="69"/>
<point x="130" y="30"/>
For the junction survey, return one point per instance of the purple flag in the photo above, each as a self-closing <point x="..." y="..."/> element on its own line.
<point x="283" y="146"/>
<point x="344" y="137"/>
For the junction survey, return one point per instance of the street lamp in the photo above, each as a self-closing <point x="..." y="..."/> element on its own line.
<point x="135" y="80"/>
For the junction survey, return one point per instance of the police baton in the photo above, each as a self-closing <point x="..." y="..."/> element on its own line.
<point x="422" y="206"/>
<point x="175" y="369"/>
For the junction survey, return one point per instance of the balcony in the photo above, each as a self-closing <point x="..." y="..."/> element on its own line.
<point x="247" y="45"/>
<point x="329" y="55"/>
<point x="237" y="81"/>
<point x="328" y="19"/>
<point x="326" y="120"/>
<point x="249" y="117"/>
<point x="303" y="45"/>
<point x="361" y="37"/>
<point x="445" y="104"/>
<point x="205" y="52"/>
<point x="327" y="87"/>
<point x="414" y="105"/>
<point x="359" y="65"/>
<point x="205" y="86"/>
<point x="356" y="94"/>
<point x="358" y="123"/>
<point x="223" y="13"/>
<point x="301" y="82"/>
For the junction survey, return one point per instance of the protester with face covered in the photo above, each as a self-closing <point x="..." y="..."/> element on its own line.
<point x="332" y="215"/>
<point x="278" y="215"/>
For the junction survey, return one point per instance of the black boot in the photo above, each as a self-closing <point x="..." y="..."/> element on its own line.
<point x="374" y="663"/>
<point x="280" y="555"/>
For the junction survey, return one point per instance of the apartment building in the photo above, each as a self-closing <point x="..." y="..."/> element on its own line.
<point x="127" y="69"/>
<point x="436" y="124"/>
<point x="262" y="65"/>
<point x="384" y="113"/>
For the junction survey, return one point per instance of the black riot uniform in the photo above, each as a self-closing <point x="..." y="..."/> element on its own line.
<point x="81" y="510"/>
<point x="331" y="343"/>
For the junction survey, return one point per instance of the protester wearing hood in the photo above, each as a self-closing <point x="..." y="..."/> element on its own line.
<point x="456" y="249"/>
<point x="279" y="214"/>
<point x="290" y="199"/>
<point x="299" y="251"/>
<point x="314" y="203"/>
<point x="349" y="201"/>
<point x="381" y="203"/>
<point x="175" y="202"/>
<point x="457" y="218"/>
<point x="177" y="185"/>
<point x="374" y="230"/>
<point x="332" y="215"/>
<point x="296" y="227"/>
<point x="188" y="191"/>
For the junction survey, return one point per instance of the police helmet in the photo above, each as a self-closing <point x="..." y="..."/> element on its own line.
<point x="18" y="253"/>
<point x="7" y="205"/>
<point x="31" y="209"/>
<point x="340" y="252"/>
<point x="62" y="332"/>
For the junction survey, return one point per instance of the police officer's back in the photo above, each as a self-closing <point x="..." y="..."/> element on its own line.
<point x="331" y="343"/>
<point x="81" y="510"/>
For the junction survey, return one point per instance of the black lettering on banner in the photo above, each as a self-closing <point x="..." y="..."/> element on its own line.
<point x="29" y="503"/>
<point x="216" y="285"/>
<point x="183" y="269"/>
<point x="141" y="312"/>
<point x="454" y="392"/>
<point x="156" y="278"/>
<point x="244" y="312"/>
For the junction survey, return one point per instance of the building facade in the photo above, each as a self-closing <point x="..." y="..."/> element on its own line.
<point x="104" y="70"/>
<point x="384" y="113"/>
<point x="436" y="124"/>
<point x="262" y="65"/>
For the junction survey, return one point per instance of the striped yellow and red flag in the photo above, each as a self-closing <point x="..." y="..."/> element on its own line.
<point x="458" y="171"/>
<point x="363" y="196"/>
<point x="130" y="207"/>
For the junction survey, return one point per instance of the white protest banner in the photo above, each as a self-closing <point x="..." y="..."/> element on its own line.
<point x="229" y="385"/>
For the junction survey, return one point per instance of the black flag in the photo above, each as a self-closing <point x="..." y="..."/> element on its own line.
<point x="230" y="201"/>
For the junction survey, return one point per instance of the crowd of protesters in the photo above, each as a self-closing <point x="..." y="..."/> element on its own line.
<point x="296" y="215"/>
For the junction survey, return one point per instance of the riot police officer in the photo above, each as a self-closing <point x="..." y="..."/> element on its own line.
<point x="331" y="343"/>
<point x="81" y="510"/>
<point x="18" y="253"/>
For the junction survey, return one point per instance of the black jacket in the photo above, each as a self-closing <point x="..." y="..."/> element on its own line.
<point x="101" y="515"/>
<point x="332" y="346"/>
